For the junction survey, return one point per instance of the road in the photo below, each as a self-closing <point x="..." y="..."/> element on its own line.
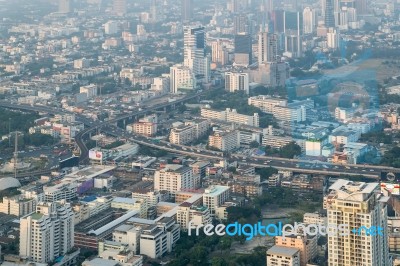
<point x="262" y="161"/>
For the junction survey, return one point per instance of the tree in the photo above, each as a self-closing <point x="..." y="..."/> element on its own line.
<point x="254" y="144"/>
<point x="290" y="150"/>
<point x="218" y="261"/>
<point x="198" y="255"/>
<point x="265" y="173"/>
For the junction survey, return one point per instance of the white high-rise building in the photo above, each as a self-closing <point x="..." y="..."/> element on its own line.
<point x="174" y="177"/>
<point x="111" y="27"/>
<point x="333" y="38"/>
<point x="194" y="52"/>
<point x="359" y="205"/>
<point x="235" y="81"/>
<point x="48" y="233"/>
<point x="267" y="47"/>
<point x="309" y="20"/>
<point x="181" y="77"/>
<point x="64" y="6"/>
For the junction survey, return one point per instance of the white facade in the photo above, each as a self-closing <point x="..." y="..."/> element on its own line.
<point x="237" y="82"/>
<point x="17" y="206"/>
<point x="309" y="20"/>
<point x="333" y="38"/>
<point x="215" y="196"/>
<point x="197" y="215"/>
<point x="181" y="77"/>
<point x="266" y="103"/>
<point x="89" y="90"/>
<point x="174" y="178"/>
<point x="48" y="233"/>
<point x="225" y="140"/>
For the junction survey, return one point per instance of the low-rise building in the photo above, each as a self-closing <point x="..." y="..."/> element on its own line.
<point x="196" y="215"/>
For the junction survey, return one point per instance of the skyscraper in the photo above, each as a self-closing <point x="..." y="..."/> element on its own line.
<point x="293" y="27"/>
<point x="329" y="14"/>
<point x="358" y="205"/>
<point x="243" y="49"/>
<point x="64" y="6"/>
<point x="187" y="10"/>
<point x="309" y="20"/>
<point x="194" y="52"/>
<point x="241" y="24"/>
<point x="267" y="47"/>
<point x="119" y="7"/>
<point x="48" y="233"/>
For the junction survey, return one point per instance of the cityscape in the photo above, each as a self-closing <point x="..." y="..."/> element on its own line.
<point x="188" y="132"/>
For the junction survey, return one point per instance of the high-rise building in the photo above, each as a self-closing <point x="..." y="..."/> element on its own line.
<point x="243" y="49"/>
<point x="119" y="7"/>
<point x="181" y="77"/>
<point x="329" y="13"/>
<point x="187" y="10"/>
<point x="278" y="19"/>
<point x="333" y="38"/>
<point x="361" y="7"/>
<point x="309" y="20"/>
<point x="267" y="47"/>
<point x="194" y="52"/>
<point x="64" y="6"/>
<point x="359" y="205"/>
<point x="293" y="34"/>
<point x="241" y="24"/>
<point x="219" y="54"/>
<point x="174" y="178"/>
<point x="48" y="233"/>
<point x="237" y="82"/>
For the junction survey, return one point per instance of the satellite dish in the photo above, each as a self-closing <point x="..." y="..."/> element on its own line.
<point x="391" y="176"/>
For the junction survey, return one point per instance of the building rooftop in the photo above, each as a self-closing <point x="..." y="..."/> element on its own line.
<point x="282" y="251"/>
<point x="100" y="262"/>
<point x="215" y="190"/>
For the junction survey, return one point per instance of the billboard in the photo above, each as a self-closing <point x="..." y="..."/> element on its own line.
<point x="95" y="155"/>
<point x="392" y="188"/>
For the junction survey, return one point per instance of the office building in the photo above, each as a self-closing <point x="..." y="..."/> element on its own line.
<point x="333" y="38"/>
<point x="129" y="235"/>
<point x="267" y="47"/>
<point x="119" y="7"/>
<point x="215" y="196"/>
<point x="181" y="78"/>
<point x="309" y="20"/>
<point x="194" y="40"/>
<point x="224" y="140"/>
<point x="174" y="177"/>
<point x="241" y="24"/>
<point x="359" y="205"/>
<point x="329" y="14"/>
<point x="48" y="233"/>
<point x="187" y="10"/>
<point x="243" y="49"/>
<point x="293" y="22"/>
<point x="64" y="6"/>
<point x="198" y="215"/>
<point x="130" y="204"/>
<point x="219" y="54"/>
<point x="17" y="205"/>
<point x="237" y="81"/>
<point x="283" y="256"/>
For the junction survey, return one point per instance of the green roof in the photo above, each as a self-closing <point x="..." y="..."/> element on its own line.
<point x="37" y="216"/>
